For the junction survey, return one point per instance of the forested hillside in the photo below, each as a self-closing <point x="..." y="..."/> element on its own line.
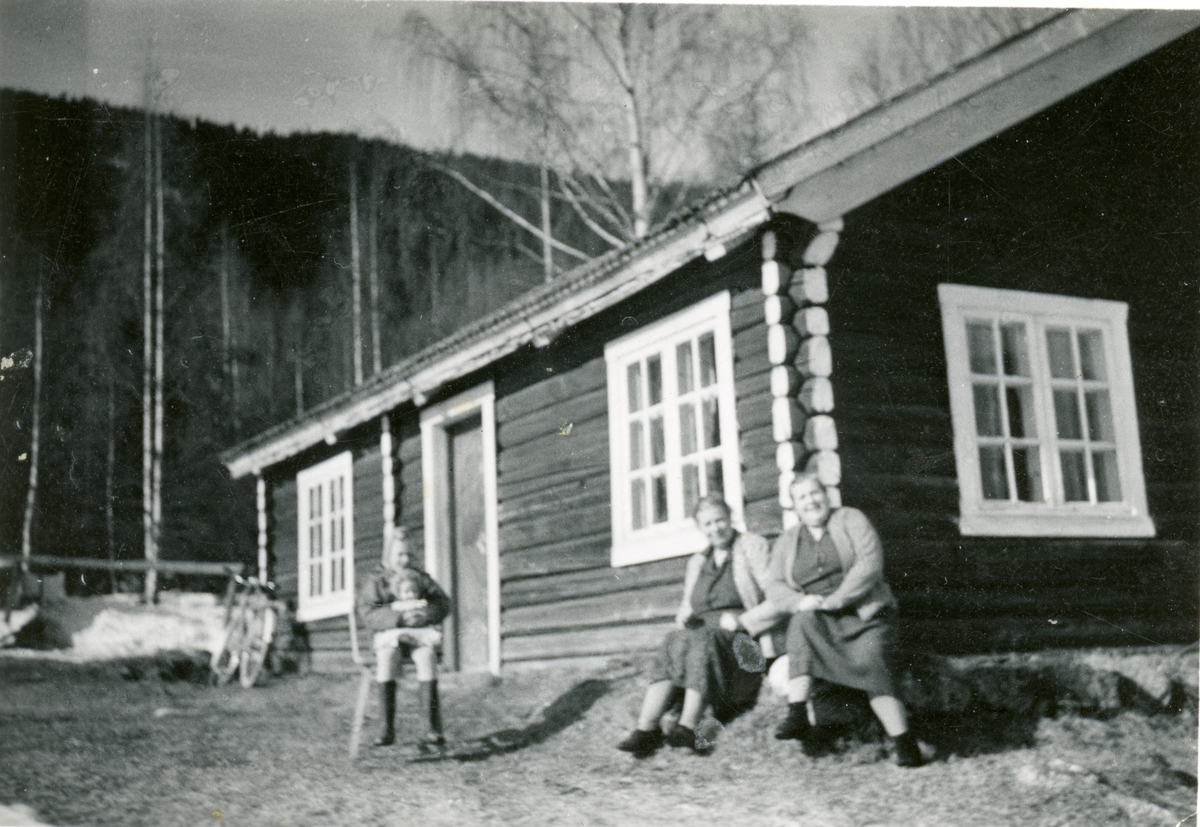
<point x="258" y="321"/>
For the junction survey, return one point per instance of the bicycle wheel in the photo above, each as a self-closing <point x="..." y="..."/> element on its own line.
<point x="227" y="657"/>
<point x="258" y="640"/>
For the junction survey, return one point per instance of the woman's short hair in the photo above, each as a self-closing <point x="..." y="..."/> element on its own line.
<point x="712" y="501"/>
<point x="805" y="476"/>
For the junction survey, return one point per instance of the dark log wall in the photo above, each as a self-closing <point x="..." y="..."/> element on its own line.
<point x="1097" y="198"/>
<point x="559" y="595"/>
<point x="329" y="638"/>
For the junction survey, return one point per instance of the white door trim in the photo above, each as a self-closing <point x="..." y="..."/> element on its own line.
<point x="435" y="420"/>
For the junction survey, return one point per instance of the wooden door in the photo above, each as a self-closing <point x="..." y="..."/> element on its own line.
<point x="466" y="646"/>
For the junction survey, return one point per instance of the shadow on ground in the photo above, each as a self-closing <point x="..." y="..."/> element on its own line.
<point x="563" y="711"/>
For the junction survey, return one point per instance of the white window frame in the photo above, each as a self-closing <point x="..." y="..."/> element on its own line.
<point x="678" y="535"/>
<point x="1052" y="517"/>
<point x="435" y="422"/>
<point x="336" y="596"/>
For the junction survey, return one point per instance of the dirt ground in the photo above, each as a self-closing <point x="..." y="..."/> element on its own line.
<point x="146" y="742"/>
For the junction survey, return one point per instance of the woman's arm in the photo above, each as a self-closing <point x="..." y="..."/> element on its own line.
<point x="776" y="587"/>
<point x="690" y="576"/>
<point x="867" y="569"/>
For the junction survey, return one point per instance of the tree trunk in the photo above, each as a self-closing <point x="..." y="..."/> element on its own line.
<point x="373" y="265"/>
<point x="547" y="247"/>
<point x="635" y="131"/>
<point x="34" y="431"/>
<point x="148" y="351"/>
<point x="156" y="504"/>
<point x="229" y="366"/>
<point x="109" y="475"/>
<point x="355" y="280"/>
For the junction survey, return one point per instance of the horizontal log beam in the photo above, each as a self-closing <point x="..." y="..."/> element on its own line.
<point x="51" y="561"/>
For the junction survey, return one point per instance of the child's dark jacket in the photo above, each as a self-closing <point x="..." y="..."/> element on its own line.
<point x="377" y="593"/>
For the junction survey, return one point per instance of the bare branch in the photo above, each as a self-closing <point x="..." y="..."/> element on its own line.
<point x="506" y="211"/>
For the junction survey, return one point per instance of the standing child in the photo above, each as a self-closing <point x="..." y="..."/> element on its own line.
<point x="404" y="606"/>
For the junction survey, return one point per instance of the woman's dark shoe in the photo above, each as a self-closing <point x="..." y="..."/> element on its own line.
<point x="796" y="726"/>
<point x="641" y="743"/>
<point x="907" y="751"/>
<point x="682" y="737"/>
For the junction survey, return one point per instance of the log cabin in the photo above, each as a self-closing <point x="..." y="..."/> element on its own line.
<point x="971" y="310"/>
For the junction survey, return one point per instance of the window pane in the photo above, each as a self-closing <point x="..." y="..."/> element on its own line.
<point x="708" y="360"/>
<point x="1091" y="354"/>
<point x="316" y="495"/>
<point x="987" y="410"/>
<point x="691" y="487"/>
<point x="1028" y="474"/>
<point x="659" y="493"/>
<point x="683" y="367"/>
<point x="981" y="348"/>
<point x="712" y="423"/>
<point x="635" y="387"/>
<point x="314" y="540"/>
<point x="636" y="451"/>
<point x="1066" y="414"/>
<point x="991" y="472"/>
<point x="1074" y="475"/>
<point x="658" y="443"/>
<point x="317" y="583"/>
<point x="1016" y="353"/>
<point x="637" y="501"/>
<point x="1108" y="482"/>
<point x="687" y="429"/>
<point x="1062" y="361"/>
<point x="1099" y="416"/>
<point x="654" y="379"/>
<point x="714" y="477"/>
<point x="1021" y="422"/>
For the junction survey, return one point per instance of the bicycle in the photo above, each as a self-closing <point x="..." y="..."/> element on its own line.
<point x="251" y="615"/>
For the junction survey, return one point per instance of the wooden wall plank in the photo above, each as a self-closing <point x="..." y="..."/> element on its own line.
<point x="554" y="419"/>
<point x="586" y="551"/>
<point x="515" y="536"/>
<point x="593" y="581"/>
<point x="654" y="602"/>
<point x="561" y="387"/>
<point x="609" y="640"/>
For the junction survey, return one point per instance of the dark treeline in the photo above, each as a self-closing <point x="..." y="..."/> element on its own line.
<point x="258" y="321"/>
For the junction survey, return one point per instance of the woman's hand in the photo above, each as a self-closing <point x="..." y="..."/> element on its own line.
<point x="810" y="603"/>
<point x="730" y="622"/>
<point x="408" y="605"/>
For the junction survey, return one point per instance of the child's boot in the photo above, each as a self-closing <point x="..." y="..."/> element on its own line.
<point x="387" y="696"/>
<point x="433" y="712"/>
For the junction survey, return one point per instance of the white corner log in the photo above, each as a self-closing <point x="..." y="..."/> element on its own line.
<point x="833" y="225"/>
<point x="835" y="496"/>
<point x="820" y="249"/>
<point x="827" y="465"/>
<point x="785" y="381"/>
<point x="809" y="286"/>
<point x="816" y="395"/>
<point x="788" y="455"/>
<point x="790" y="520"/>
<point x="787" y="420"/>
<point x="775" y="278"/>
<point x="260" y="486"/>
<point x="811" y="321"/>
<point x="770" y="245"/>
<point x="785" y="489"/>
<point x="782" y="344"/>
<point x="779" y="310"/>
<point x="820" y="433"/>
<point x="387" y="468"/>
<point x="814" y="357"/>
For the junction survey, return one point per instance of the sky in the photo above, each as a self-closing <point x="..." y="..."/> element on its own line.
<point x="278" y="66"/>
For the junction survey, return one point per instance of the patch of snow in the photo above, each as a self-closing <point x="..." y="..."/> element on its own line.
<point x="179" y="622"/>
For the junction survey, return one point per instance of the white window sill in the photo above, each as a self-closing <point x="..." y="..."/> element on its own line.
<point x="659" y="543"/>
<point x="1023" y="522"/>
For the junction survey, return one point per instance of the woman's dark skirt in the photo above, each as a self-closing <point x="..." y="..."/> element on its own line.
<point x="704" y="659"/>
<point x="840" y="648"/>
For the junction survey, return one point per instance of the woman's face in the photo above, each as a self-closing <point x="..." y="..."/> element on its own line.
<point x="715" y="525"/>
<point x="810" y="502"/>
<point x="397" y="556"/>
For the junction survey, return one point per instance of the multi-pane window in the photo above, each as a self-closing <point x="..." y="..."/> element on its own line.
<point x="1041" y="393"/>
<point x="326" y="533"/>
<point x="672" y="430"/>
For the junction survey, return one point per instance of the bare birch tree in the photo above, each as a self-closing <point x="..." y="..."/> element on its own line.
<point x="619" y="103"/>
<point x="356" y="337"/>
<point x="34" y="428"/>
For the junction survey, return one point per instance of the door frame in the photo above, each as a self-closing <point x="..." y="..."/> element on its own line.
<point x="436" y="420"/>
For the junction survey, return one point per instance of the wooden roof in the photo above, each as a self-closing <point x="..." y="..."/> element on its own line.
<point x="819" y="181"/>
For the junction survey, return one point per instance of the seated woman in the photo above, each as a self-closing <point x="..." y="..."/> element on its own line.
<point x="712" y="657"/>
<point x="828" y="572"/>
